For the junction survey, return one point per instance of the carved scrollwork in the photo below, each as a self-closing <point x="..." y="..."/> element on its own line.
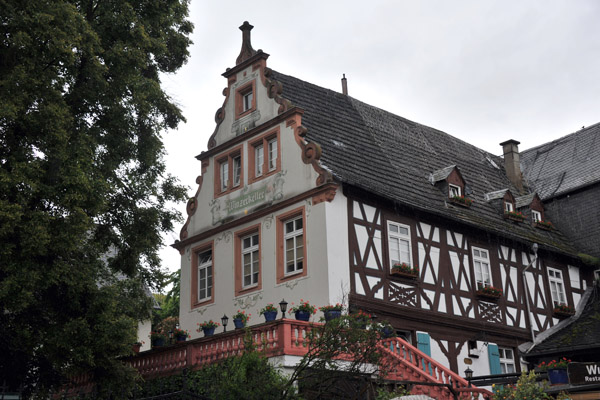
<point x="226" y="236"/>
<point x="248" y="301"/>
<point x="269" y="221"/>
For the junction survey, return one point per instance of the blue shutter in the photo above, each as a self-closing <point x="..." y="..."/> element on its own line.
<point x="494" y="356"/>
<point x="424" y="344"/>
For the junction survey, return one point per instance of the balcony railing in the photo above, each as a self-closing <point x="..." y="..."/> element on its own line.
<point x="404" y="362"/>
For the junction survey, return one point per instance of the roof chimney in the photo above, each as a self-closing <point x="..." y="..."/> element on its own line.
<point x="512" y="162"/>
<point x="247" y="50"/>
<point x="344" y="85"/>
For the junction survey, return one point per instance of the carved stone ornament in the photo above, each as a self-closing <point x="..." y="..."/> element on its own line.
<point x="247" y="301"/>
<point x="247" y="51"/>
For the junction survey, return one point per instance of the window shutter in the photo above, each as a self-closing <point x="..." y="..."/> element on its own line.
<point x="423" y="343"/>
<point x="494" y="356"/>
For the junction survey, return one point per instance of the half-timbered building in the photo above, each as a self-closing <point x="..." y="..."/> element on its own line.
<point x="308" y="193"/>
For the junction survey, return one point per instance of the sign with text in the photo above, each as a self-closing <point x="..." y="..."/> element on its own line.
<point x="584" y="373"/>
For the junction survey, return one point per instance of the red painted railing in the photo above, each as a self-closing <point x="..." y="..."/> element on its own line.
<point x="407" y="363"/>
<point x="403" y="362"/>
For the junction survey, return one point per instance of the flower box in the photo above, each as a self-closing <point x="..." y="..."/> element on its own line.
<point x="488" y="292"/>
<point x="516" y="216"/>
<point x="461" y="201"/>
<point x="563" y="311"/>
<point x="404" y="270"/>
<point x="545" y="225"/>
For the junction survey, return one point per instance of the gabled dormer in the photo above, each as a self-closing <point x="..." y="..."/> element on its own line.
<point x="505" y="203"/>
<point x="531" y="206"/>
<point x="451" y="182"/>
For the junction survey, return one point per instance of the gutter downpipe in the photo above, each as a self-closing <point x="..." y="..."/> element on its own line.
<point x="534" y="248"/>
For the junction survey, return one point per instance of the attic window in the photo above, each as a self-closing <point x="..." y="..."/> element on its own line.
<point x="245" y="99"/>
<point x="508" y="206"/>
<point x="454" y="191"/>
<point x="536" y="216"/>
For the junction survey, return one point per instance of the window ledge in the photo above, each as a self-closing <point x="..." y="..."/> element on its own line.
<point x="404" y="275"/>
<point x="487" y="296"/>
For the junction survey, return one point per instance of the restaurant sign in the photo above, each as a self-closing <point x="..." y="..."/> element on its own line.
<point x="584" y="373"/>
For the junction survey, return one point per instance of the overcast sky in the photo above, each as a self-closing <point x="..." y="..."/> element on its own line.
<point x="482" y="71"/>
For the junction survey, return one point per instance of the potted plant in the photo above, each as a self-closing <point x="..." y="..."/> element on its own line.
<point x="563" y="311"/>
<point x="303" y="311"/>
<point x="545" y="225"/>
<point x="461" y="201"/>
<point x="386" y="329"/>
<point x="488" y="292"/>
<point x="331" y="312"/>
<point x="157" y="338"/>
<point x="361" y="319"/>
<point x="270" y="312"/>
<point x="240" y="319"/>
<point x="405" y="270"/>
<point x="137" y="346"/>
<point x="180" y="334"/>
<point x="208" y="327"/>
<point x="557" y="371"/>
<point x="516" y="216"/>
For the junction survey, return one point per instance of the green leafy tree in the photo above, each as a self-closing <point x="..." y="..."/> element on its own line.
<point x="83" y="190"/>
<point x="526" y="388"/>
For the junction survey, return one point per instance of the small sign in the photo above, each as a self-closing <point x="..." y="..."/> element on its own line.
<point x="584" y="373"/>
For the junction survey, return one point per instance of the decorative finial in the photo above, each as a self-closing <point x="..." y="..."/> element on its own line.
<point x="247" y="50"/>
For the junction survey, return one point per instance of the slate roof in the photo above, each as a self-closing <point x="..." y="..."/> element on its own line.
<point x="393" y="157"/>
<point x="565" y="164"/>
<point x="441" y="174"/>
<point x="524" y="201"/>
<point x="578" y="333"/>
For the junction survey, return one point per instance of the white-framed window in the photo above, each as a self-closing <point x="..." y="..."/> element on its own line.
<point x="399" y="243"/>
<point x="250" y="259"/>
<point x="259" y="159"/>
<point x="557" y="288"/>
<point x="237" y="170"/>
<point x="507" y="360"/>
<point x="293" y="245"/>
<point x="224" y="166"/>
<point x="536" y="216"/>
<point x="205" y="275"/>
<point x="508" y="206"/>
<point x="481" y="264"/>
<point x="247" y="101"/>
<point x="454" y="191"/>
<point x="272" y="160"/>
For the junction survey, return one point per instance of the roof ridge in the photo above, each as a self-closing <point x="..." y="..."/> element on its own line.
<point x="562" y="138"/>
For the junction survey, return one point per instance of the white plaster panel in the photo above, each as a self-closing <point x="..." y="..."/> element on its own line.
<point x="576" y="298"/>
<point x="514" y="279"/>
<point x="434" y="254"/>
<point x="377" y="243"/>
<point x="513" y="313"/>
<point x="437" y="354"/>
<point x="369" y="212"/>
<point x="543" y="319"/>
<point x="426" y="229"/>
<point x="449" y="240"/>
<point x="442" y="305"/>
<point x="372" y="280"/>
<point x="504" y="252"/>
<point x="362" y="237"/>
<point x="356" y="210"/>
<point x="430" y="295"/>
<point x="358" y="284"/>
<point x="574" y="277"/>
<point x="465" y="303"/>
<point x="455" y="263"/>
<point x="513" y="257"/>
<point x="436" y="235"/>
<point x="524" y="259"/>
<point x="455" y="306"/>
<point x="459" y="239"/>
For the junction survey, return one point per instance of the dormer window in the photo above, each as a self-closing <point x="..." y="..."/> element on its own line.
<point x="454" y="191"/>
<point x="508" y="207"/>
<point x="536" y="216"/>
